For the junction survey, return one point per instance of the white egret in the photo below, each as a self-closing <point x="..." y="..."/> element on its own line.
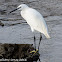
<point x="34" y="19"/>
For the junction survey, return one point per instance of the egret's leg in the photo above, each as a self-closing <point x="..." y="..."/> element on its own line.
<point x="35" y="42"/>
<point x="39" y="41"/>
<point x="34" y="38"/>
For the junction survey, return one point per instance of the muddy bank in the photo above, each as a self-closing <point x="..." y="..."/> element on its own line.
<point x="17" y="51"/>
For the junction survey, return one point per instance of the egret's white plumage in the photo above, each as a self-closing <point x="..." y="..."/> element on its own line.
<point x="34" y="19"/>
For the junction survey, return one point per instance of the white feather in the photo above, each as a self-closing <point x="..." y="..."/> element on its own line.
<point x="35" y="20"/>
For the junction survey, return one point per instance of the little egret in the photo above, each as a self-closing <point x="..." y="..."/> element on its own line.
<point x="34" y="19"/>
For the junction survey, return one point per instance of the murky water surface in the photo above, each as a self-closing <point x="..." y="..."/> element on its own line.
<point x="50" y="49"/>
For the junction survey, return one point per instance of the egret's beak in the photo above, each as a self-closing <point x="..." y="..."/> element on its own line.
<point x="13" y="10"/>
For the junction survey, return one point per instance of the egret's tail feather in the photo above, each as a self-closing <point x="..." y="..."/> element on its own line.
<point x="47" y="36"/>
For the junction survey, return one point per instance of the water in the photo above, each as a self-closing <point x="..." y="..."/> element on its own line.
<point x="50" y="49"/>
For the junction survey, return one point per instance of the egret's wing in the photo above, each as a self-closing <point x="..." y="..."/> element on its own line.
<point x="34" y="19"/>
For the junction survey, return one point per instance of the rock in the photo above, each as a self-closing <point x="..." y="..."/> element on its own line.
<point x="2" y="12"/>
<point x="17" y="51"/>
<point x="1" y="24"/>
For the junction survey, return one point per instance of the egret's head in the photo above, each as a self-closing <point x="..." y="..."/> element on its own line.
<point x="20" y="7"/>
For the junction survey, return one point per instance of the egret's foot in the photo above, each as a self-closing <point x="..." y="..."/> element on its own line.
<point x="33" y="55"/>
<point x="34" y="51"/>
